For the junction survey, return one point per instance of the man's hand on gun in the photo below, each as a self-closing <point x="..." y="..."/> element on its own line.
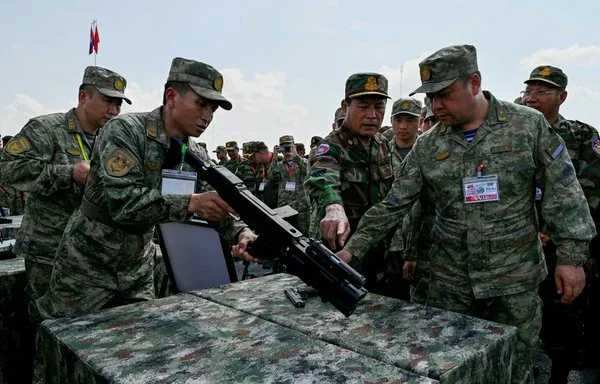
<point x="335" y="227"/>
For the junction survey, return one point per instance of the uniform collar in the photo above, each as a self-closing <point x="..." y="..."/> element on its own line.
<point x="155" y="128"/>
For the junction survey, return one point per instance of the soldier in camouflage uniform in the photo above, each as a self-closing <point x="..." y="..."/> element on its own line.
<point x="288" y="178"/>
<point x="49" y="159"/>
<point x="233" y="151"/>
<point x="480" y="166"/>
<point x="405" y="118"/>
<point x="105" y="258"/>
<point x="221" y="155"/>
<point x="254" y="171"/>
<point x="579" y="347"/>
<point x="352" y="170"/>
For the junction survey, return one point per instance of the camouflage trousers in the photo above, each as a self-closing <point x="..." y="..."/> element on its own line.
<point x="98" y="267"/>
<point x="522" y="310"/>
<point x="38" y="281"/>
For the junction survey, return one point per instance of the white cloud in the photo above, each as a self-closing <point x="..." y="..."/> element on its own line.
<point x="589" y="54"/>
<point x="14" y="116"/>
<point x="581" y="93"/>
<point x="260" y="110"/>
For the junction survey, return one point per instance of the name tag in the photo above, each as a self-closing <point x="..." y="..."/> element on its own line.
<point x="290" y="185"/>
<point x="261" y="186"/>
<point x="178" y="182"/>
<point x="481" y="189"/>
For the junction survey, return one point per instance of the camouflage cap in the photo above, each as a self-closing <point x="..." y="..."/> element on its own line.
<point x="220" y="148"/>
<point x="257" y="146"/>
<point x="408" y="106"/>
<point x="230" y="145"/>
<point x="107" y="82"/>
<point x="444" y="67"/>
<point x="315" y="140"/>
<point x="287" y="139"/>
<point x="340" y="114"/>
<point x="365" y="84"/>
<point x="202" y="78"/>
<point x="518" y="100"/>
<point x="548" y="74"/>
<point x="300" y="147"/>
<point x="246" y="148"/>
<point x="429" y="114"/>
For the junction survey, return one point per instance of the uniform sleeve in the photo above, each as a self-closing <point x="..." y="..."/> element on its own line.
<point x="26" y="162"/>
<point x="381" y="218"/>
<point x="564" y="207"/>
<point x="129" y="199"/>
<point x="323" y="182"/>
<point x="589" y="161"/>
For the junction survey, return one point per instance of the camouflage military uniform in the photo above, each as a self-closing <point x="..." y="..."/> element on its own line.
<point x="39" y="160"/>
<point x="106" y="255"/>
<point x="288" y="178"/>
<point x="570" y="332"/>
<point x="13" y="199"/>
<point x="343" y="172"/>
<point x="486" y="258"/>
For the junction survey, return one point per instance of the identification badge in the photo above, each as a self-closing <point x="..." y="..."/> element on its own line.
<point x="261" y="186"/>
<point x="290" y="185"/>
<point x="481" y="189"/>
<point x="178" y="182"/>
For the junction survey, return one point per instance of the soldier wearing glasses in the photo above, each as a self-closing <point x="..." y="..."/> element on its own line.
<point x="570" y="332"/>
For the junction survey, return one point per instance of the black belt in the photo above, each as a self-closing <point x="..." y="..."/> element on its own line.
<point x="94" y="212"/>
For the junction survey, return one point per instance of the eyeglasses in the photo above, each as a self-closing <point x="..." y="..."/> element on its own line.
<point x="529" y="94"/>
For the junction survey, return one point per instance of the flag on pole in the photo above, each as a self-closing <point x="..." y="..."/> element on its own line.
<point x="94" y="39"/>
<point x="91" y="41"/>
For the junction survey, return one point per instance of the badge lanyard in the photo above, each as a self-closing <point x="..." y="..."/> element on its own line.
<point x="83" y="151"/>
<point x="290" y="169"/>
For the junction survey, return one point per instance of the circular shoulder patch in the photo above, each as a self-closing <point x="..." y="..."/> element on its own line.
<point x="119" y="163"/>
<point x="18" y="145"/>
<point x="596" y="146"/>
<point x="323" y="149"/>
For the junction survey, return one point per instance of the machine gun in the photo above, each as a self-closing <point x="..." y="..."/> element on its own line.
<point x="318" y="267"/>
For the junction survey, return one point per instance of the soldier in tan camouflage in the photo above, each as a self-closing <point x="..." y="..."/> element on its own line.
<point x="105" y="258"/>
<point x="287" y="178"/>
<point x="49" y="160"/>
<point x="579" y="347"/>
<point x="480" y="166"/>
<point x="352" y="170"/>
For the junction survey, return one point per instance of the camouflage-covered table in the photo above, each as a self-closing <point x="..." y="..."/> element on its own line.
<point x="187" y="339"/>
<point x="9" y="231"/>
<point x="13" y="319"/>
<point x="445" y="346"/>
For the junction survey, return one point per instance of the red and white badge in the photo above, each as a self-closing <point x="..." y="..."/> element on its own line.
<point x="481" y="189"/>
<point x="323" y="149"/>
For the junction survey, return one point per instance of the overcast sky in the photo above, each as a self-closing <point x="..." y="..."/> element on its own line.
<point x="285" y="62"/>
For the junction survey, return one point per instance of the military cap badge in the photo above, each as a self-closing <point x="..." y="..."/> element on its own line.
<point x="425" y="74"/>
<point x="545" y="71"/>
<point x="218" y="83"/>
<point x="405" y="106"/>
<point x="371" y="84"/>
<point x="119" y="85"/>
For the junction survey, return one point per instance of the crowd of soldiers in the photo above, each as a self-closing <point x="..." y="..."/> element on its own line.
<point x="467" y="203"/>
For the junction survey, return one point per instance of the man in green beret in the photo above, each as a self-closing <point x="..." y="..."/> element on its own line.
<point x="546" y="91"/>
<point x="480" y="166"/>
<point x="221" y="154"/>
<point x="105" y="258"/>
<point x="49" y="160"/>
<point x="352" y="170"/>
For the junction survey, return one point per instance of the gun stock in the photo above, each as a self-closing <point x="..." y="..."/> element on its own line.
<point x="318" y="267"/>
